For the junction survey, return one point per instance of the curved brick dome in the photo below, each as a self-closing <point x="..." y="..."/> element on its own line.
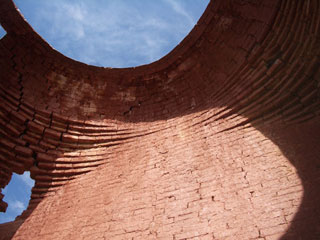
<point x="217" y="140"/>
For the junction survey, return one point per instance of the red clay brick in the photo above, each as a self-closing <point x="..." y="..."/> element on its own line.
<point x="217" y="140"/>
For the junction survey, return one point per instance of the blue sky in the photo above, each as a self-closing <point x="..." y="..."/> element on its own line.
<point x="2" y="32"/>
<point x="17" y="195"/>
<point x="113" y="33"/>
<point x="109" y="33"/>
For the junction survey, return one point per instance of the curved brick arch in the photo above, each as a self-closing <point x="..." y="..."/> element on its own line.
<point x="217" y="140"/>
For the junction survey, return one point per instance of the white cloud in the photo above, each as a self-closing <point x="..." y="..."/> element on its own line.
<point x="25" y="177"/>
<point x="17" y="206"/>
<point x="75" y="11"/>
<point x="117" y="33"/>
<point x="180" y="10"/>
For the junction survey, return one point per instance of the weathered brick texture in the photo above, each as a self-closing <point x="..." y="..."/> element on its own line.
<point x="220" y="139"/>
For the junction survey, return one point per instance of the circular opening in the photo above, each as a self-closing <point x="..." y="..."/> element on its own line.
<point x="113" y="33"/>
<point x="17" y="195"/>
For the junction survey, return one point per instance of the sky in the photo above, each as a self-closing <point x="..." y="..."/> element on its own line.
<point x="113" y="33"/>
<point x="2" y="32"/>
<point x="17" y="195"/>
<point x="108" y="33"/>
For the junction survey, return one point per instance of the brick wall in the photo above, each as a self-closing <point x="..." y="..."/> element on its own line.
<point x="217" y="140"/>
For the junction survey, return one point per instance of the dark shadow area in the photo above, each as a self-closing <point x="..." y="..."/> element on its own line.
<point x="300" y="144"/>
<point x="9" y="229"/>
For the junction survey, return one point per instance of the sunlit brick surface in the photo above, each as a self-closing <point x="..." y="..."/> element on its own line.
<point x="217" y="140"/>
